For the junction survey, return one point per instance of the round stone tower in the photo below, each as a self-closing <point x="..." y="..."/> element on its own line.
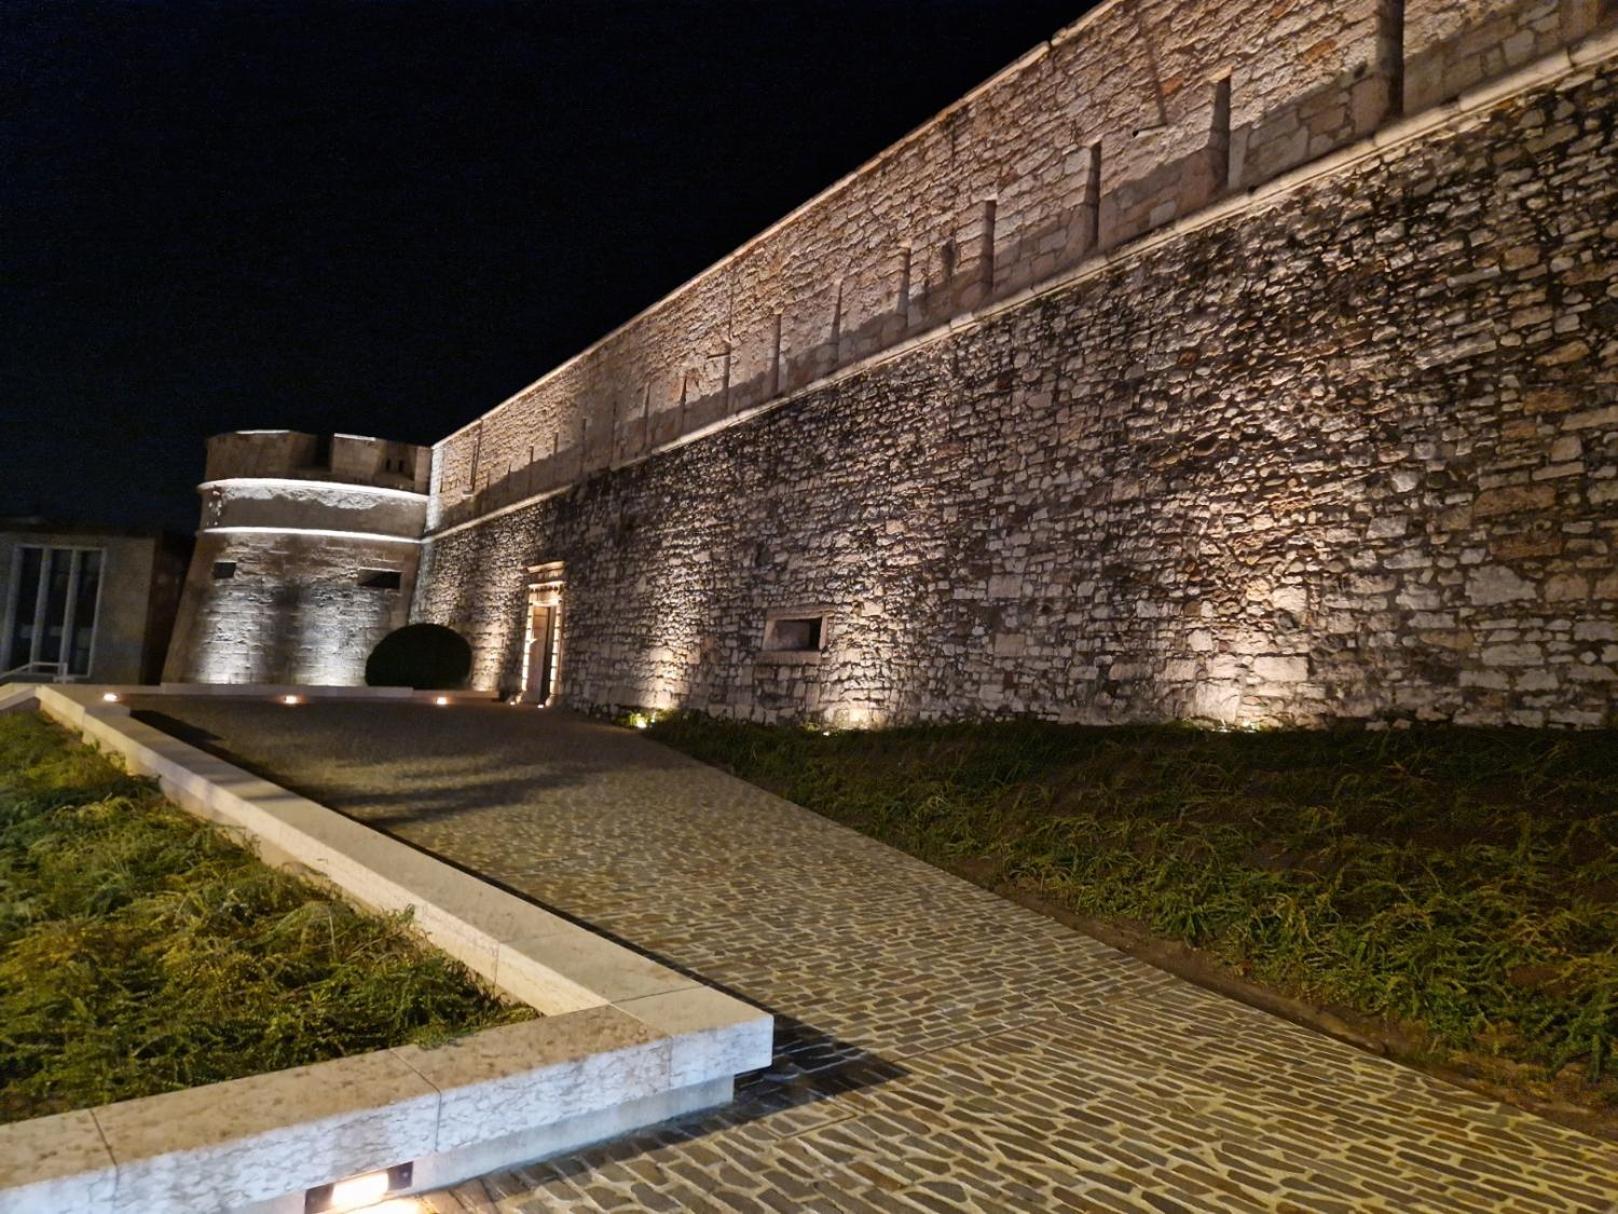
<point x="306" y="557"/>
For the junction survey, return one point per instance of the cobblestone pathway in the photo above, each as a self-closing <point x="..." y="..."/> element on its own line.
<point x="938" y="1047"/>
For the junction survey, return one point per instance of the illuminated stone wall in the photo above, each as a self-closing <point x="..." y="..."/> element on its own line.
<point x="1346" y="451"/>
<point x="294" y="609"/>
<point x="1134" y="117"/>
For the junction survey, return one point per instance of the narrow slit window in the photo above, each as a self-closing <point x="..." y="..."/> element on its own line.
<point x="1219" y="135"/>
<point x="1390" y="52"/>
<point x="224" y="570"/>
<point x="381" y="579"/>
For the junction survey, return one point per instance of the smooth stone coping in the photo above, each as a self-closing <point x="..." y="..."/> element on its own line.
<point x="624" y="1041"/>
<point x="276" y="691"/>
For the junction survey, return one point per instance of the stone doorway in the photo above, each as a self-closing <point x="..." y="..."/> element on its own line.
<point x="542" y="643"/>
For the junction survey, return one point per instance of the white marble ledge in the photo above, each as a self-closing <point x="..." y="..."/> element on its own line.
<point x="710" y="1033"/>
<point x="55" y="1163"/>
<point x="227" y="1144"/>
<point x="534" y="1074"/>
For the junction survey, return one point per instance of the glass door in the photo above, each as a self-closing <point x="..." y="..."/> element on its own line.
<point x="51" y="612"/>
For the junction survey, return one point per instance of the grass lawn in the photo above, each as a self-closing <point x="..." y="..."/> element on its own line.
<point x="1454" y="891"/>
<point x="141" y="951"/>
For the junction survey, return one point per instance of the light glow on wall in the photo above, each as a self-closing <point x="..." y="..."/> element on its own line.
<point x="332" y="535"/>
<point x="291" y="482"/>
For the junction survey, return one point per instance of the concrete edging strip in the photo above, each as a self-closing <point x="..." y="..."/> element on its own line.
<point x="624" y="1041"/>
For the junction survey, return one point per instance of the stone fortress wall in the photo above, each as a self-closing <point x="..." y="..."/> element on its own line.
<point x="1147" y="440"/>
<point x="306" y="557"/>
<point x="1137" y="115"/>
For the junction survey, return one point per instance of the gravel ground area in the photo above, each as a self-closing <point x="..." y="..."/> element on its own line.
<point x="938" y="1048"/>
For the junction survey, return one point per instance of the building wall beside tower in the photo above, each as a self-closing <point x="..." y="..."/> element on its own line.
<point x="306" y="557"/>
<point x="108" y="603"/>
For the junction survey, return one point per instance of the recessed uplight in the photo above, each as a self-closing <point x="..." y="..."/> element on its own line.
<point x="357" y="1192"/>
<point x="110" y="697"/>
<point x="441" y="700"/>
<point x="291" y="700"/>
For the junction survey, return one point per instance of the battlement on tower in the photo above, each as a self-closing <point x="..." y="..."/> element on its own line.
<point x="349" y="459"/>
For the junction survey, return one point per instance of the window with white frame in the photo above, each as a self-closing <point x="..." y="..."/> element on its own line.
<point x="50" y="614"/>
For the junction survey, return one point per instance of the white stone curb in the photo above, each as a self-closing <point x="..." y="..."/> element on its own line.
<point x="624" y="1042"/>
<point x="275" y="691"/>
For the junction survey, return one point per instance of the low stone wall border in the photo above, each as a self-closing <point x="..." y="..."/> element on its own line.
<point x="623" y="1042"/>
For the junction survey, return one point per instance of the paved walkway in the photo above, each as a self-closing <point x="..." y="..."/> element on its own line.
<point x="938" y="1047"/>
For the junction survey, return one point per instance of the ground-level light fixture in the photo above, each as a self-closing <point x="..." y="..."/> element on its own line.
<point x="110" y="697"/>
<point x="292" y="699"/>
<point x="441" y="700"/>
<point x="357" y="1192"/>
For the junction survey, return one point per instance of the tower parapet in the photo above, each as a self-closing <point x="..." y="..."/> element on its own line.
<point x="349" y="459"/>
<point x="305" y="558"/>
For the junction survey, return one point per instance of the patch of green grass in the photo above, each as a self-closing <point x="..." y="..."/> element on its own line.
<point x="1462" y="883"/>
<point x="141" y="951"/>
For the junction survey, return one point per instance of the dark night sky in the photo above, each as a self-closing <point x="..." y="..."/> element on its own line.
<point x="385" y="216"/>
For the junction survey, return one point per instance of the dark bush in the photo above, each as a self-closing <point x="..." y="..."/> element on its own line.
<point x="428" y="657"/>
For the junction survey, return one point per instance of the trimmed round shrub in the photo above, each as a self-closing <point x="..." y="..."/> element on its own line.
<point x="428" y="657"/>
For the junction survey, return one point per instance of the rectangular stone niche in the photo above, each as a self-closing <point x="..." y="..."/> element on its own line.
<point x="795" y="634"/>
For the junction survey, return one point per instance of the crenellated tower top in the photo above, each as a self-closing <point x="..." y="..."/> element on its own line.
<point x="348" y="459"/>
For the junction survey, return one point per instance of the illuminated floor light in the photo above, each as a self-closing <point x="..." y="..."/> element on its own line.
<point x="110" y="697"/>
<point x="358" y="1191"/>
<point x="291" y="700"/>
<point x="441" y="700"/>
<point x="362" y="1192"/>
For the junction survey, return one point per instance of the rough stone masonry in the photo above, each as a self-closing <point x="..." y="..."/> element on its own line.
<point x="1211" y="362"/>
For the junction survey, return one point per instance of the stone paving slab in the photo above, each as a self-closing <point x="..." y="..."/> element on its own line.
<point x="938" y="1048"/>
